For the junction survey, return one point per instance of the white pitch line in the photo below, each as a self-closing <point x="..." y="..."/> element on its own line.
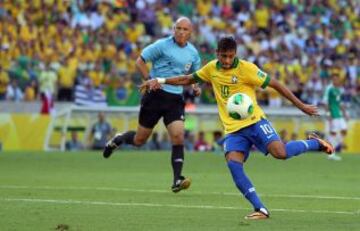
<point x="322" y="197"/>
<point x="122" y="204"/>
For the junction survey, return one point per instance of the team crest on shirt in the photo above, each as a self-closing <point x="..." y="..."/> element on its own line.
<point x="234" y="79"/>
<point x="187" y="67"/>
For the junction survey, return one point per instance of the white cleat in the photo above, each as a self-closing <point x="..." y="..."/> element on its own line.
<point x="334" y="157"/>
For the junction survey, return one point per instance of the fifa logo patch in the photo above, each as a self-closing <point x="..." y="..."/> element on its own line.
<point x="234" y="79"/>
<point x="187" y="67"/>
<point x="261" y="74"/>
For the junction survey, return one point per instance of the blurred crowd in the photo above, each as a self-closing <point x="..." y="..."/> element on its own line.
<point x="49" y="47"/>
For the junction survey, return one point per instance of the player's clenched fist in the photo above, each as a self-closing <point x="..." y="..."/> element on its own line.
<point x="150" y="85"/>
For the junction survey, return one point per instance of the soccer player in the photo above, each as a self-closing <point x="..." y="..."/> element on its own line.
<point x="337" y="115"/>
<point x="170" y="56"/>
<point x="229" y="75"/>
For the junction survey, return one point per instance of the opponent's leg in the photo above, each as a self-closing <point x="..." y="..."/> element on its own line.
<point x="335" y="126"/>
<point x="334" y="140"/>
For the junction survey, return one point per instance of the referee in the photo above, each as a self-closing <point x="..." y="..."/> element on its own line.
<point x="171" y="56"/>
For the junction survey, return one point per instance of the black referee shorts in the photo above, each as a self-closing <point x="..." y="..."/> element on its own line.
<point x="157" y="104"/>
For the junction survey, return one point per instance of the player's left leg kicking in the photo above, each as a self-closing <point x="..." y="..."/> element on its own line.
<point x="238" y="144"/>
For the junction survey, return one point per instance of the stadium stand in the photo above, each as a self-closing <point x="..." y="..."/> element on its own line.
<point x="52" y="46"/>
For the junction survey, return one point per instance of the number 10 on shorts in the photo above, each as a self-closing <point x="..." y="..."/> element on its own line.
<point x="267" y="129"/>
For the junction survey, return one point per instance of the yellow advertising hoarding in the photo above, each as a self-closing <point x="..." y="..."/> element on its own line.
<point x="28" y="131"/>
<point x="23" y="131"/>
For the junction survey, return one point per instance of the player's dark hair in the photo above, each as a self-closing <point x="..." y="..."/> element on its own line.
<point x="226" y="43"/>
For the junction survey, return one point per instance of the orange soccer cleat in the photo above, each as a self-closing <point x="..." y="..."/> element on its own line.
<point x="258" y="214"/>
<point x="325" y="146"/>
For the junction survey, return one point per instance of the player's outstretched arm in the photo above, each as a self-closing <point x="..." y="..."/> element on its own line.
<point x="179" y="80"/>
<point x="155" y="84"/>
<point x="285" y="92"/>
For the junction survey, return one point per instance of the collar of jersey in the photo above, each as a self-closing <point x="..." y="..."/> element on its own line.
<point x="173" y="39"/>
<point x="233" y="65"/>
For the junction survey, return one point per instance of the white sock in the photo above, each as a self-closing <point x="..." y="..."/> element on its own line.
<point x="333" y="140"/>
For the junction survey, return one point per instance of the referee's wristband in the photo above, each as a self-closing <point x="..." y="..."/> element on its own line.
<point x="161" y="80"/>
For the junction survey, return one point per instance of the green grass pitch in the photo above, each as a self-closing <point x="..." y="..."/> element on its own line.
<point x="131" y="191"/>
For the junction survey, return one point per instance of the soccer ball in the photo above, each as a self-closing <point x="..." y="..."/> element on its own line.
<point x="239" y="106"/>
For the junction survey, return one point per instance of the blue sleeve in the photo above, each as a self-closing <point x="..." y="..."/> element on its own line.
<point x="197" y="63"/>
<point x="151" y="52"/>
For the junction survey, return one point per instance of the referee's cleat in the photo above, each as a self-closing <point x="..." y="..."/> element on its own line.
<point x="112" y="144"/>
<point x="180" y="184"/>
<point x="325" y="146"/>
<point x="258" y="214"/>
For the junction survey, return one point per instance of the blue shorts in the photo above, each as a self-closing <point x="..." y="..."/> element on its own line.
<point x="259" y="134"/>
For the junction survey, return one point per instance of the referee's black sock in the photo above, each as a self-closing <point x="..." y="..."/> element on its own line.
<point x="177" y="159"/>
<point x="127" y="138"/>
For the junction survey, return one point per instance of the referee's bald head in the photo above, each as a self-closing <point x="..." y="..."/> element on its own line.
<point x="183" y="19"/>
<point x="182" y="31"/>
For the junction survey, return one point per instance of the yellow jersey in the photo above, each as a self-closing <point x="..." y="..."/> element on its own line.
<point x="244" y="77"/>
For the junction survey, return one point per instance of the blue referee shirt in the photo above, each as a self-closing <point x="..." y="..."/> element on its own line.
<point x="169" y="59"/>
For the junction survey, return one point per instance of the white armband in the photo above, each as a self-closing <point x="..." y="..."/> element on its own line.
<point x="161" y="80"/>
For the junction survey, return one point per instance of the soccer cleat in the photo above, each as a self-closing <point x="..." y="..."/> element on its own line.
<point x="258" y="214"/>
<point x="334" y="157"/>
<point x="325" y="146"/>
<point x="180" y="184"/>
<point x="112" y="144"/>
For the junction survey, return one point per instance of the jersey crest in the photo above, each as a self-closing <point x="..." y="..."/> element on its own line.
<point x="234" y="79"/>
